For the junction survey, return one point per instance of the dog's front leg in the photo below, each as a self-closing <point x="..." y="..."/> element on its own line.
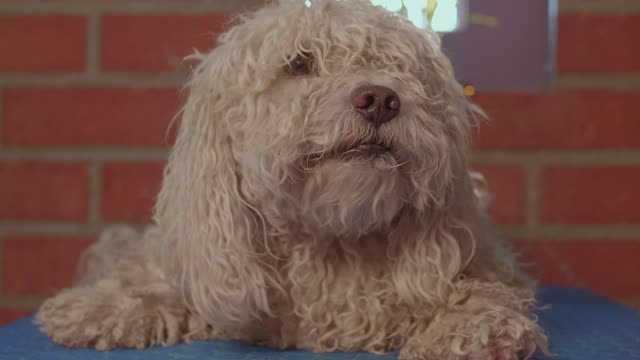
<point x="133" y="307"/>
<point x="480" y="321"/>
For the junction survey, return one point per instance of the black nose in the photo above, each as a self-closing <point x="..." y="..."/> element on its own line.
<point x="377" y="104"/>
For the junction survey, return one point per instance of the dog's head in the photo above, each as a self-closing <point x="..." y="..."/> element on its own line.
<point x="333" y="115"/>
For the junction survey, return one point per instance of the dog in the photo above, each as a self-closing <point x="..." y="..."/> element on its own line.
<point x="318" y="196"/>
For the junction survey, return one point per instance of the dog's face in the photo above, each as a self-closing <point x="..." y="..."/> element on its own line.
<point x="346" y="111"/>
<point x="311" y="123"/>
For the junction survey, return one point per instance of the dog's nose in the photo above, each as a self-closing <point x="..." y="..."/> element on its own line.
<point x="377" y="104"/>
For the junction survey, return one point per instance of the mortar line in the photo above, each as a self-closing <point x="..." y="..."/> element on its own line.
<point x="36" y="228"/>
<point x="151" y="80"/>
<point x="53" y="228"/>
<point x="80" y="153"/>
<point x="92" y="45"/>
<point x="559" y="156"/>
<point x="573" y="232"/>
<point x="140" y="7"/>
<point x="75" y="7"/>
<point x="2" y="239"/>
<point x="21" y="302"/>
<point x="612" y="82"/>
<point x="495" y="157"/>
<point x="95" y="191"/>
<point x="532" y="195"/>
<point x="1" y="116"/>
<point x="599" y="7"/>
<point x="544" y="231"/>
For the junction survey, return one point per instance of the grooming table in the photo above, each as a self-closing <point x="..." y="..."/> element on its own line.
<point x="581" y="326"/>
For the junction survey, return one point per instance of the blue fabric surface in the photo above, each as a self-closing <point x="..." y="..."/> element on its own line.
<point x="581" y="326"/>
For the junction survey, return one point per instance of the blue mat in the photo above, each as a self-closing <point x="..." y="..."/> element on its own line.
<point x="581" y="326"/>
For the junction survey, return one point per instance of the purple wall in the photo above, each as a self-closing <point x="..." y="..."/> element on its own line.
<point x="516" y="55"/>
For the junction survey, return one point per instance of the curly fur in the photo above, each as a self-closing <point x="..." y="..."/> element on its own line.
<point x="265" y="231"/>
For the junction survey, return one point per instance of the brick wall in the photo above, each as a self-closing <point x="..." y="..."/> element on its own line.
<point x="88" y="88"/>
<point x="564" y="165"/>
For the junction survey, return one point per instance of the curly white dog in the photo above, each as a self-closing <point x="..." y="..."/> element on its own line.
<point x="317" y="197"/>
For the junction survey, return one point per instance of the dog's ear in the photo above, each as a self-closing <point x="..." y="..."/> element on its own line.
<point x="451" y="235"/>
<point x="448" y="233"/>
<point x="209" y="231"/>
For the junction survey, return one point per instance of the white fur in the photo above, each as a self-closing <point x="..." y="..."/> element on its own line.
<point x="265" y="232"/>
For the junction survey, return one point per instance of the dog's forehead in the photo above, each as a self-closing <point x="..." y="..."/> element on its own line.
<point x="335" y="26"/>
<point x="342" y="37"/>
<point x="330" y="18"/>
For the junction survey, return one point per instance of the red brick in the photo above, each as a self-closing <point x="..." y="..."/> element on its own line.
<point x="10" y="315"/>
<point x="38" y="266"/>
<point x="560" y="120"/>
<point x="590" y="195"/>
<point x="155" y="43"/>
<point x="129" y="190"/>
<point x="506" y="184"/>
<point x="43" y="191"/>
<point x="112" y="116"/>
<point x="598" y="43"/>
<point x="607" y="267"/>
<point x="42" y="43"/>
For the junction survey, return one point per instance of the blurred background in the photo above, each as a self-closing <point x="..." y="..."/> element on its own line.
<point x="88" y="88"/>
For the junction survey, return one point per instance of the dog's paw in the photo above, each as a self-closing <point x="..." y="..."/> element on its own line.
<point x="82" y="318"/>
<point x="462" y="348"/>
<point x="487" y="336"/>
<point x="414" y="350"/>
<point x="141" y="330"/>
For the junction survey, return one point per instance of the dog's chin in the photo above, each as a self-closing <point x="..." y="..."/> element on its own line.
<point x="357" y="192"/>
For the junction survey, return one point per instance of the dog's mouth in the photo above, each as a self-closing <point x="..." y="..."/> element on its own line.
<point x="370" y="146"/>
<point x="362" y="150"/>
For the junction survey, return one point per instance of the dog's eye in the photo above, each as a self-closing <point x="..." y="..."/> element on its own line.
<point x="302" y="64"/>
